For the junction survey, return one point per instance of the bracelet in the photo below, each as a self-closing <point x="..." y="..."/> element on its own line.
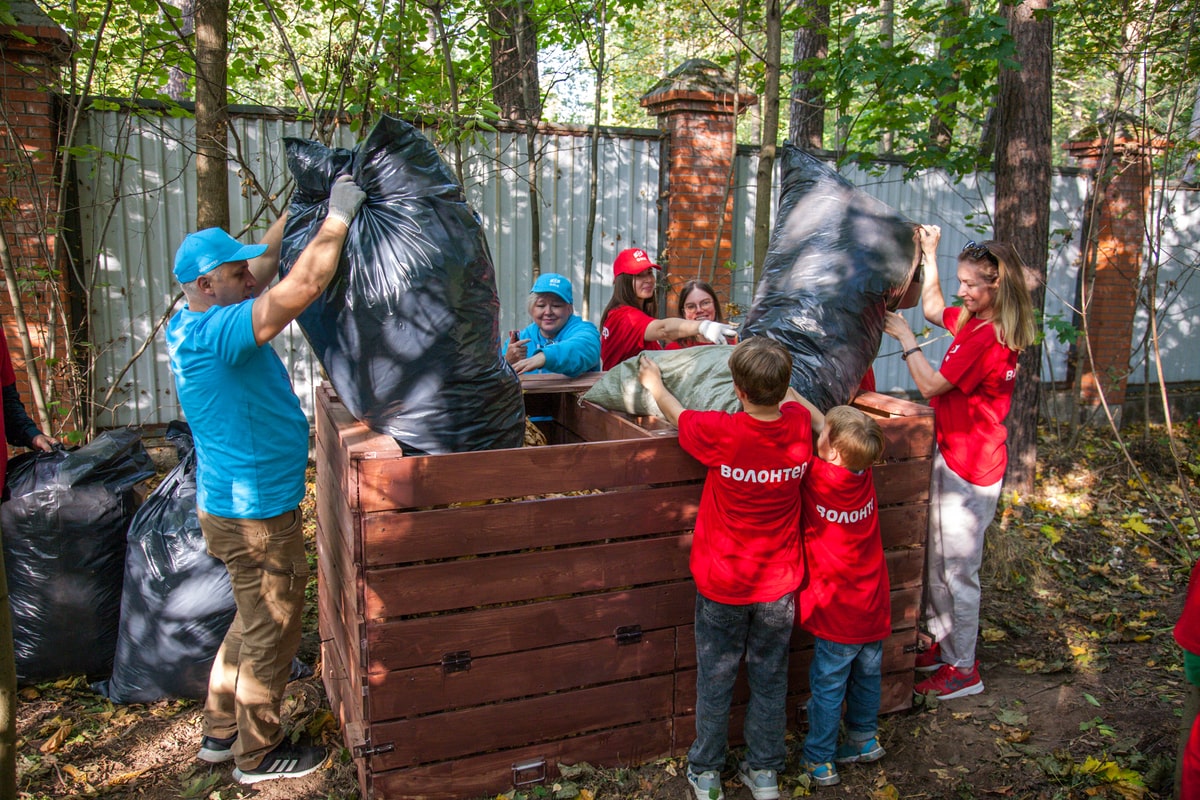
<point x="904" y="356"/>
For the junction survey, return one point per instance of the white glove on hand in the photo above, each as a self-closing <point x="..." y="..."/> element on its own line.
<point x="716" y="332"/>
<point x="345" y="198"/>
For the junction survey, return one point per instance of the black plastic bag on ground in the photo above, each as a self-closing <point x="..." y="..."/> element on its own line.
<point x="64" y="532"/>
<point x="408" y="332"/>
<point x="177" y="602"/>
<point x="838" y="258"/>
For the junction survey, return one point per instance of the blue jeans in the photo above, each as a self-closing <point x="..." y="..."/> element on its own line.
<point x="724" y="633"/>
<point x="850" y="672"/>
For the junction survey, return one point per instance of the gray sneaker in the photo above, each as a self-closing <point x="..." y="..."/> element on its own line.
<point x="763" y="783"/>
<point x="706" y="785"/>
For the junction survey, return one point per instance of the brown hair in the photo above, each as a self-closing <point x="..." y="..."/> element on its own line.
<point x="856" y="436"/>
<point x="691" y="286"/>
<point x="1000" y="265"/>
<point x="624" y="295"/>
<point x="762" y="368"/>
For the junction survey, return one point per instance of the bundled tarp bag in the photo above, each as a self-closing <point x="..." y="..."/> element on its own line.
<point x="177" y="603"/>
<point x="409" y="330"/>
<point x="64" y="532"/>
<point x="698" y="377"/>
<point x="837" y="259"/>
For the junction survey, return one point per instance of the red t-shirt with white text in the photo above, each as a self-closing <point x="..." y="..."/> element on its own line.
<point x="746" y="547"/>
<point x="7" y="377"/>
<point x="624" y="335"/>
<point x="969" y="419"/>
<point x="846" y="598"/>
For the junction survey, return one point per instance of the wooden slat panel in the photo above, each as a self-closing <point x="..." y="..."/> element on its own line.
<point x="392" y="483"/>
<point x="593" y="423"/>
<point x="906" y="567"/>
<point x="492" y="774"/>
<point x="354" y="437"/>
<point x="395" y="537"/>
<point x="455" y="734"/>
<point x="904" y="526"/>
<point x="423" y="690"/>
<point x="553" y="383"/>
<point x="339" y="617"/>
<point x="423" y="640"/>
<point x="888" y="406"/>
<point x="902" y="482"/>
<point x="472" y="582"/>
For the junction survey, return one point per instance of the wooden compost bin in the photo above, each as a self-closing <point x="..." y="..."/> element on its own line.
<point x="487" y="616"/>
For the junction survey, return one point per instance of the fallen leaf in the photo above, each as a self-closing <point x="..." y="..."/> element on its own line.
<point x="55" y="742"/>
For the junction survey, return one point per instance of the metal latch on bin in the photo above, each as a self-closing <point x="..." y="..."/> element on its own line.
<point x="364" y="750"/>
<point x="458" y="661"/>
<point x="629" y="634"/>
<point x="528" y="773"/>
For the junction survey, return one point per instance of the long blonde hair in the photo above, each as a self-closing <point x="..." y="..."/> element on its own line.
<point x="999" y="264"/>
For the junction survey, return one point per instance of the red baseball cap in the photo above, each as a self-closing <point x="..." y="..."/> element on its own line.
<point x="632" y="261"/>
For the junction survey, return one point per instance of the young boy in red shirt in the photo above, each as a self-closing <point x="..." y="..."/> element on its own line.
<point x="745" y="559"/>
<point x="845" y="603"/>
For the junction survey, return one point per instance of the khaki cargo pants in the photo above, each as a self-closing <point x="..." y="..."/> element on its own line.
<point x="268" y="572"/>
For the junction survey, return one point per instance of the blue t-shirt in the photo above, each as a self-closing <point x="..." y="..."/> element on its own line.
<point x="575" y="349"/>
<point x="251" y="436"/>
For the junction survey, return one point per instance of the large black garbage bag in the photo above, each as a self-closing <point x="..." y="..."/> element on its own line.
<point x="409" y="331"/>
<point x="177" y="603"/>
<point x="64" y="551"/>
<point x="838" y="258"/>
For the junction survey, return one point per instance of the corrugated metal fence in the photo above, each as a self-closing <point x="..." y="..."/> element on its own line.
<point x="137" y="209"/>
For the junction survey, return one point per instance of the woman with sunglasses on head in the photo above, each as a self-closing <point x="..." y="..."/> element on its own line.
<point x="697" y="300"/>
<point x="629" y="325"/>
<point x="970" y="392"/>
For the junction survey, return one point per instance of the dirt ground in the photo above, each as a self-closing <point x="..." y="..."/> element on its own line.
<point x="1084" y="687"/>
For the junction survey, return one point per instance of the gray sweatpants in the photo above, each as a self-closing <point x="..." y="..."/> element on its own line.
<point x="959" y="514"/>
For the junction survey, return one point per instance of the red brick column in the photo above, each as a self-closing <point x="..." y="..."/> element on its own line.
<point x="30" y="55"/>
<point x="697" y="108"/>
<point x="1118" y="233"/>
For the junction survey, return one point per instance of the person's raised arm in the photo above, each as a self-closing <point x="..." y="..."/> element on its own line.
<point x="818" y="419"/>
<point x="266" y="266"/>
<point x="674" y="328"/>
<point x="313" y="270"/>
<point x="930" y="382"/>
<point x="650" y="376"/>
<point x="933" y="303"/>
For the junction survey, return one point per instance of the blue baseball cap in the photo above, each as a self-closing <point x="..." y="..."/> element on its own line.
<point x="553" y="283"/>
<point x="205" y="250"/>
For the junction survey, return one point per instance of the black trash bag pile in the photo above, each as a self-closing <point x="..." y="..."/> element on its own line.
<point x="177" y="603"/>
<point x="64" y="532"/>
<point x="408" y="332"/>
<point x="838" y="258"/>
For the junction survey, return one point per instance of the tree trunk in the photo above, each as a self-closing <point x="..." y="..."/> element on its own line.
<point x="807" y="119"/>
<point x="176" y="79"/>
<point x="514" y="60"/>
<point x="1023" y="205"/>
<point x="941" y="126"/>
<point x="212" y="114"/>
<point x="764" y="176"/>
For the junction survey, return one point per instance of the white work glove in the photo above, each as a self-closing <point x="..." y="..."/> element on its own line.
<point x="344" y="199"/>
<point x="716" y="332"/>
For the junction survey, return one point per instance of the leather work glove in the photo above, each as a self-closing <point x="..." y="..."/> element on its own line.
<point x="345" y="198"/>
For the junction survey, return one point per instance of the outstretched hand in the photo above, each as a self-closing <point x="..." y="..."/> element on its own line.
<point x="716" y="332"/>
<point x="345" y="198"/>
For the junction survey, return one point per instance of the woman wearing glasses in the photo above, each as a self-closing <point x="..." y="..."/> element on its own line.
<point x="697" y="300"/>
<point x="970" y="393"/>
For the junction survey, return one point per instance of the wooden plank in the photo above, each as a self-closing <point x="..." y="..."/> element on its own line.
<point x="340" y="631"/>
<point x="906" y="568"/>
<point x="395" y="537"/>
<point x="492" y="774"/>
<point x="904" y="526"/>
<point x="554" y="383"/>
<point x="472" y="582"/>
<point x="593" y="423"/>
<point x="423" y="690"/>
<point x="421" y="481"/>
<point x="887" y="405"/>
<point x="424" y="640"/>
<point x="466" y="732"/>
<point x="902" y="482"/>
<point x="354" y="437"/>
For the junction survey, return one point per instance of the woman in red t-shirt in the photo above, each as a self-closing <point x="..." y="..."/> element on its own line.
<point x="697" y="300"/>
<point x="970" y="393"/>
<point x="628" y="325"/>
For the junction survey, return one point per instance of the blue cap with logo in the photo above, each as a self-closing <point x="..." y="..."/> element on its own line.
<point x="205" y="250"/>
<point x="553" y="283"/>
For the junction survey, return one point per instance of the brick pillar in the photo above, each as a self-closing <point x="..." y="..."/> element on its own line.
<point x="30" y="56"/>
<point x="1121" y="190"/>
<point x="696" y="107"/>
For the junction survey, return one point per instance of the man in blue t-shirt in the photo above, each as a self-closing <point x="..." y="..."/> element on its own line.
<point x="251" y="451"/>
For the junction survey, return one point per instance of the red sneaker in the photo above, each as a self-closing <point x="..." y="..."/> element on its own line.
<point x="929" y="659"/>
<point x="949" y="683"/>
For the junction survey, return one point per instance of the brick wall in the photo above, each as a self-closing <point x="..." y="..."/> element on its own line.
<point x="697" y="108"/>
<point x="30" y="56"/>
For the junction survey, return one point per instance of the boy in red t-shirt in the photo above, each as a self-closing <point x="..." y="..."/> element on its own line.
<point x="746" y="558"/>
<point x="1187" y="635"/>
<point x="845" y="603"/>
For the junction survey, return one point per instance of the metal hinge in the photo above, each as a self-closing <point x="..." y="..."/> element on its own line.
<point x="628" y="634"/>
<point x="458" y="661"/>
<point x="528" y="773"/>
<point x="364" y="750"/>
